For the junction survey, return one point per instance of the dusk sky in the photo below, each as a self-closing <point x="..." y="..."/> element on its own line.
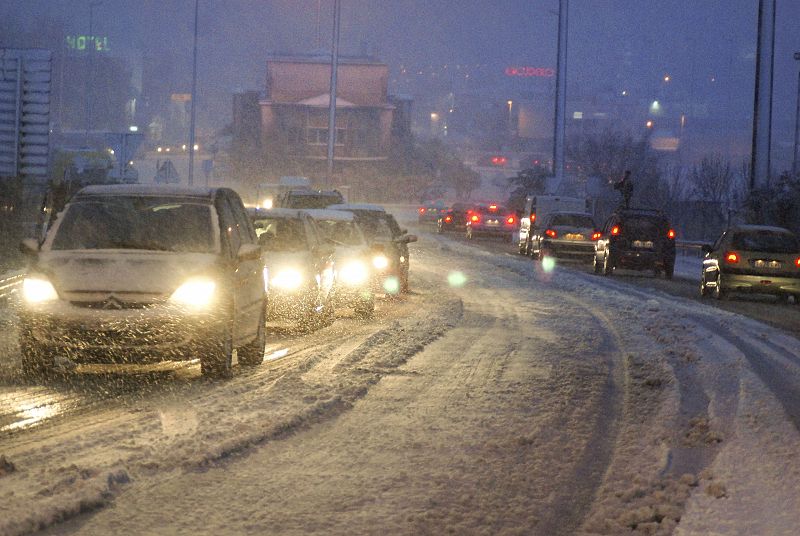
<point x="614" y="45"/>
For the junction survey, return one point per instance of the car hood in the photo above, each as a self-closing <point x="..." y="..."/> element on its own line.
<point x="147" y="272"/>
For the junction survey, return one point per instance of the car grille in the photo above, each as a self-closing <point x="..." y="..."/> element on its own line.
<point x="112" y="304"/>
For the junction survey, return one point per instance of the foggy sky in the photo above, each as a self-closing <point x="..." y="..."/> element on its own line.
<point x="613" y="44"/>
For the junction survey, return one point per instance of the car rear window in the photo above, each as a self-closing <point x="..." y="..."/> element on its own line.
<point x="572" y="220"/>
<point x="147" y="223"/>
<point x="643" y="227"/>
<point x="766" y="241"/>
<point x="312" y="200"/>
<point x="281" y="234"/>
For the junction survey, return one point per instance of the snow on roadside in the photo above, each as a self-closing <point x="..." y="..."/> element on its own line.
<point x="58" y="473"/>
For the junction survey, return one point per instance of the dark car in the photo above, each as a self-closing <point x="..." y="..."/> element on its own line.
<point x="569" y="235"/>
<point x="300" y="267"/>
<point x="454" y="218"/>
<point x="388" y="241"/>
<point x="492" y="220"/>
<point x="756" y="259"/>
<point x="430" y="212"/>
<point x="636" y="239"/>
<point x="309" y="198"/>
<point x="134" y="275"/>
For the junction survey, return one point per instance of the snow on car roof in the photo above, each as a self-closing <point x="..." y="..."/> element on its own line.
<point x="357" y="206"/>
<point x="328" y="214"/>
<point x="755" y="228"/>
<point x="276" y="212"/>
<point x="147" y="190"/>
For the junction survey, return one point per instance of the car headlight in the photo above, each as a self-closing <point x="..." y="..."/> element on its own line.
<point x="380" y="262"/>
<point x="196" y="293"/>
<point x="354" y="273"/>
<point x="38" y="290"/>
<point x="288" y="279"/>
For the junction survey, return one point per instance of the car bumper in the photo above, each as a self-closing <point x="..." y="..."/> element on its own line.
<point x="761" y="284"/>
<point x="135" y="336"/>
<point x="570" y="249"/>
<point x="642" y="260"/>
<point x="492" y="231"/>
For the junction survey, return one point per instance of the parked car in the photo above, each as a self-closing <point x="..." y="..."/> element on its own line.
<point x="492" y="220"/>
<point x="389" y="242"/>
<point x="135" y="274"/>
<point x="454" y="218"/>
<point x="756" y="259"/>
<point x="429" y="212"/>
<point x="355" y="281"/>
<point x="566" y="235"/>
<point x="636" y="239"/>
<point x="300" y="267"/>
<point x="309" y="198"/>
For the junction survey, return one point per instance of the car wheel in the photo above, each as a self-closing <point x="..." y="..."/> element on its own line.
<point x="252" y="354"/>
<point x="596" y="266"/>
<point x="608" y="266"/>
<point x="469" y="233"/>
<point x="704" y="292"/>
<point x="36" y="360"/>
<point x="439" y="229"/>
<point x="720" y="293"/>
<point x="522" y="247"/>
<point x="217" y="360"/>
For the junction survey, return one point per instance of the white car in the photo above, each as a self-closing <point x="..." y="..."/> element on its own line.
<point x="355" y="281"/>
<point x="139" y="275"/>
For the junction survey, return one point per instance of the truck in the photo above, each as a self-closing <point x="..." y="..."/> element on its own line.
<point x="537" y="207"/>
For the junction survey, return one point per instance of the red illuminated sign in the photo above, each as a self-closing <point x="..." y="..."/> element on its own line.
<point x="545" y="72"/>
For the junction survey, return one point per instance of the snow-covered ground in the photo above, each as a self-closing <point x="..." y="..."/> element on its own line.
<point x="495" y="399"/>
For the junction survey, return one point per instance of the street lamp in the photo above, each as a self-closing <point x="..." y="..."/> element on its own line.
<point x="796" y="122"/>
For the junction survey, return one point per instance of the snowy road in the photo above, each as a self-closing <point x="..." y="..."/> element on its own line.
<point x="495" y="399"/>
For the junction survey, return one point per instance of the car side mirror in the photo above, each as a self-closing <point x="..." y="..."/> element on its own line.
<point x="705" y="248"/>
<point x="29" y="247"/>
<point x="248" y="252"/>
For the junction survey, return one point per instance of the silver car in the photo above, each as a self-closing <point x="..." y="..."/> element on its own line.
<point x="139" y="275"/>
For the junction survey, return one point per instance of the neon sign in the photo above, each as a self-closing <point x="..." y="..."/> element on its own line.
<point x="526" y="72"/>
<point x="84" y="42"/>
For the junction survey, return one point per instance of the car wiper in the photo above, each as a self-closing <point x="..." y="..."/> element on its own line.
<point x="140" y="245"/>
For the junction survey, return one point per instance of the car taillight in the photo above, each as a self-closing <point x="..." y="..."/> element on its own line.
<point x="475" y="218"/>
<point x="732" y="257"/>
<point x="797" y="262"/>
<point x="533" y="217"/>
<point x="551" y="233"/>
<point x="615" y="230"/>
<point x="421" y="210"/>
<point x="510" y="220"/>
<point x="597" y="236"/>
<point x="671" y="234"/>
<point x="448" y="219"/>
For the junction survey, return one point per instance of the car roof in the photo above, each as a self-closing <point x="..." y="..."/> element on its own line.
<point x="357" y="206"/>
<point x="306" y="191"/>
<point x="328" y="214"/>
<point x="276" y="212"/>
<point x="568" y="213"/>
<point x="748" y="227"/>
<point x="147" y="190"/>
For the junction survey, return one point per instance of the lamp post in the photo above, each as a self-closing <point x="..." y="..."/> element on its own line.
<point x="796" y="122"/>
<point x="194" y="90"/>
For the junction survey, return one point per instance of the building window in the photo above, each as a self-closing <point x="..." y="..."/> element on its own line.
<point x="319" y="136"/>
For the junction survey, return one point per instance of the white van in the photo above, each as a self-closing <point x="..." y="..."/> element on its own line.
<point x="537" y="207"/>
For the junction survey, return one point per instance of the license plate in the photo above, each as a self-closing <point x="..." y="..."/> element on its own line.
<point x="760" y="263"/>
<point x="573" y="236"/>
<point x="643" y="243"/>
<point x="492" y="223"/>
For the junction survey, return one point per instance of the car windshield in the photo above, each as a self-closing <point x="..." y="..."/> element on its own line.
<point x="341" y="232"/>
<point x="281" y="234"/>
<point x="312" y="200"/>
<point x="149" y="223"/>
<point x="572" y="220"/>
<point x="766" y="241"/>
<point x="377" y="226"/>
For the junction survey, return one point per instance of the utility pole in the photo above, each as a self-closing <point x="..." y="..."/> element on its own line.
<point x="193" y="107"/>
<point x="561" y="92"/>
<point x="91" y="46"/>
<point x="762" y="106"/>
<point x="332" y="104"/>
<point x="796" y="122"/>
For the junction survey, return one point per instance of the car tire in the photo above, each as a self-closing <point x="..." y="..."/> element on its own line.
<point x="217" y="360"/>
<point x="720" y="292"/>
<point x="35" y="359"/>
<point x="704" y="292"/>
<point x="469" y="233"/>
<point x="523" y="247"/>
<point x="252" y="354"/>
<point x="596" y="266"/>
<point x="608" y="266"/>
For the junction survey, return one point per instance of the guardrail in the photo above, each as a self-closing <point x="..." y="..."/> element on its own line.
<point x="9" y="285"/>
